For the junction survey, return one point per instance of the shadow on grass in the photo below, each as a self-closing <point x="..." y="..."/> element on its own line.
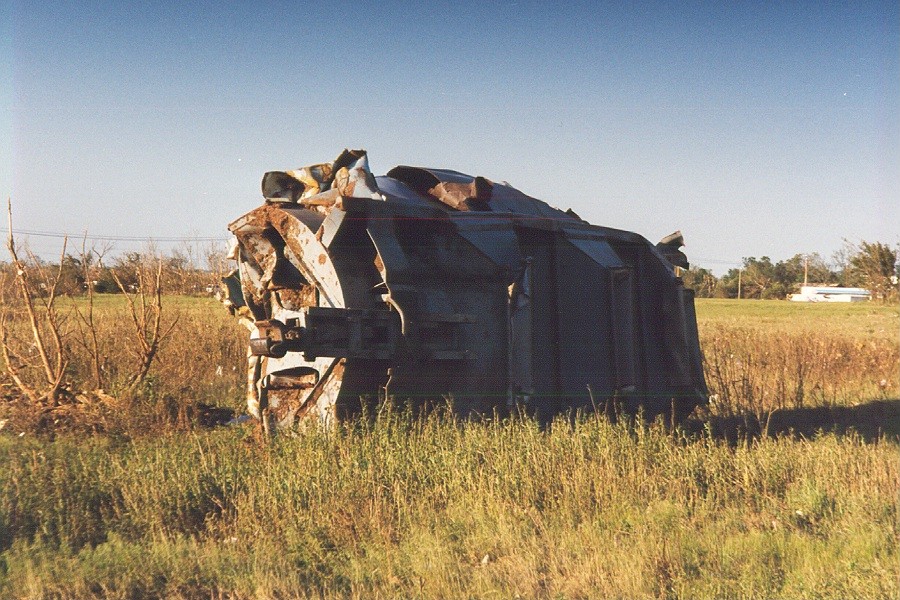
<point x="871" y="421"/>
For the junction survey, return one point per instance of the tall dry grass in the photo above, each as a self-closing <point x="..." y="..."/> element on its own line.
<point x="760" y="371"/>
<point x="433" y="508"/>
<point x="762" y="356"/>
<point x="202" y="361"/>
<point x="436" y="508"/>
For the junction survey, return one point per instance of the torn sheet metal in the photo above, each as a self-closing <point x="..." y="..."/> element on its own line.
<point x="348" y="175"/>
<point x="428" y="283"/>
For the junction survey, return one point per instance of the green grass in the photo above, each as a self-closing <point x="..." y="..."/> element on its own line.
<point x="434" y="508"/>
<point x="867" y="320"/>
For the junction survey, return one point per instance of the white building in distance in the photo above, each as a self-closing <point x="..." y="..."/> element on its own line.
<point x="811" y="293"/>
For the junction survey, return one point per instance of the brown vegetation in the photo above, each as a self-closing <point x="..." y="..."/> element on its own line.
<point x="751" y="500"/>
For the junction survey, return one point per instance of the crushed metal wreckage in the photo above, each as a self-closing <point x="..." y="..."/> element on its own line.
<point x="427" y="283"/>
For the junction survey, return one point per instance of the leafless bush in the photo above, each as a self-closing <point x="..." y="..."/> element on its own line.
<point x="87" y="328"/>
<point x="62" y="354"/>
<point x="145" y="309"/>
<point x="36" y="366"/>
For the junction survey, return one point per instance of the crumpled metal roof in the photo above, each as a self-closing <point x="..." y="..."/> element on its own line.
<point x="349" y="176"/>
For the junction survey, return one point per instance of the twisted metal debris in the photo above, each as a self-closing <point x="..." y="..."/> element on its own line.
<point x="428" y="283"/>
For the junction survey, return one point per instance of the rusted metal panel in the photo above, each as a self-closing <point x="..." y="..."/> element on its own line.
<point x="429" y="283"/>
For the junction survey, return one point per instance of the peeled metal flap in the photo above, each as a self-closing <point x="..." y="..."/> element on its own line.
<point x="456" y="190"/>
<point x="296" y="184"/>
<point x="669" y="247"/>
<point x="349" y="174"/>
<point x="423" y="179"/>
<point x="352" y="177"/>
<point x="397" y="191"/>
<point x="674" y="239"/>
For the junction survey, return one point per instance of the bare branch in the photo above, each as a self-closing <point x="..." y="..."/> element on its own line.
<point x="54" y="368"/>
<point x="85" y="321"/>
<point x="25" y="292"/>
<point x="9" y="361"/>
<point x="145" y="306"/>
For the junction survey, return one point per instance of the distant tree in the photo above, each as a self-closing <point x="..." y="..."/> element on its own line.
<point x="701" y="280"/>
<point x="105" y="282"/>
<point x="176" y="273"/>
<point x="761" y="279"/>
<point x="758" y="279"/>
<point x="727" y="286"/>
<point x="789" y="274"/>
<point x="872" y="266"/>
<point x="127" y="269"/>
<point x="820" y="271"/>
<point x="71" y="275"/>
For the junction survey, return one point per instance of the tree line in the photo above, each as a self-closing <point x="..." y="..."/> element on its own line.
<point x="183" y="271"/>
<point x="191" y="271"/>
<point x="869" y="265"/>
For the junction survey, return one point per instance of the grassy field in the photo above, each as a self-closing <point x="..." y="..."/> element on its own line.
<point x="861" y="320"/>
<point x="762" y="356"/>
<point x="436" y="508"/>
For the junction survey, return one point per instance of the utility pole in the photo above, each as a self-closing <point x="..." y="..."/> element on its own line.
<point x="805" y="270"/>
<point x="740" y="272"/>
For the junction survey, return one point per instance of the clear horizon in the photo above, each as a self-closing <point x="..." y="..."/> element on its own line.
<point x="755" y="130"/>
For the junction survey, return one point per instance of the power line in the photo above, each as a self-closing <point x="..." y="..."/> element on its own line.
<point x="118" y="238"/>
<point x="698" y="259"/>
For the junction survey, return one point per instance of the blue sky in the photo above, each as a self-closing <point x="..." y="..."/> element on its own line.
<point x="757" y="129"/>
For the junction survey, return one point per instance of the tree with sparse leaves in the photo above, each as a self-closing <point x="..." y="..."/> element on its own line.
<point x="701" y="280"/>
<point x="872" y="266"/>
<point x="757" y="280"/>
<point x="791" y="273"/>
